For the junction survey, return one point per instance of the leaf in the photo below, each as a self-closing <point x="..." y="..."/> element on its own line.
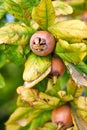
<point x="76" y="2"/>
<point x="82" y="66"/>
<point x="21" y="9"/>
<point x="24" y="118"/>
<point x="81" y="103"/>
<point x="38" y="99"/>
<point x="2" y="9"/>
<point x="47" y="126"/>
<point x="15" y="54"/>
<point x="40" y="120"/>
<point x="70" y="30"/>
<point x="79" y="123"/>
<point x="44" y="14"/>
<point x="62" y="8"/>
<point x="39" y="79"/>
<point x="19" y="116"/>
<point x="64" y="96"/>
<point x="74" y="53"/>
<point x="76" y="76"/>
<point x="2" y="81"/>
<point x="35" y="66"/>
<point x="2" y="58"/>
<point x="15" y="33"/>
<point x="73" y="89"/>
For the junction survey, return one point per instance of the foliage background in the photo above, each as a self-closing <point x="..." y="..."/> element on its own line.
<point x="11" y="72"/>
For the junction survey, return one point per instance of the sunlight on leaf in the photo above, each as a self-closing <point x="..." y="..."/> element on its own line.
<point x="71" y="30"/>
<point x="81" y="103"/>
<point x="44" y="14"/>
<point x="62" y="8"/>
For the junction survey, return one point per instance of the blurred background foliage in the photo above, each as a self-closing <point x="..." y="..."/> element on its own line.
<point x="11" y="66"/>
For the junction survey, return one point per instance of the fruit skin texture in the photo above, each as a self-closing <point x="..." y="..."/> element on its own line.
<point x="62" y="115"/>
<point x="57" y="66"/>
<point x="42" y="43"/>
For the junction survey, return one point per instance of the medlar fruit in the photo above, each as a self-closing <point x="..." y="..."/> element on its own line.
<point x="62" y="115"/>
<point x="42" y="43"/>
<point x="57" y="66"/>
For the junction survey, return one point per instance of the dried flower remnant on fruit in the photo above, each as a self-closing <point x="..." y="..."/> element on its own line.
<point x="42" y="43"/>
<point x="57" y="66"/>
<point x="62" y="115"/>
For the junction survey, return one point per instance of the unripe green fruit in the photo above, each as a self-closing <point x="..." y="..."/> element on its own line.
<point x="42" y="43"/>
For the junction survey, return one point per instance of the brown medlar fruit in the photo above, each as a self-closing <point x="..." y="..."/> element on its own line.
<point x="42" y="43"/>
<point x="62" y="115"/>
<point x="57" y="66"/>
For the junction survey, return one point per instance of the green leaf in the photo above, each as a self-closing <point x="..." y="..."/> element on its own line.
<point x="24" y="118"/>
<point x="2" y="9"/>
<point x="2" y="58"/>
<point x="2" y="81"/>
<point x="44" y="14"/>
<point x="35" y="66"/>
<point x="47" y="126"/>
<point x="38" y="100"/>
<point x="21" y="9"/>
<point x="40" y="120"/>
<point x="15" y="54"/>
<point x="15" y="33"/>
<point x="62" y="8"/>
<point x="71" y="52"/>
<point x="18" y="118"/>
<point x="82" y="66"/>
<point x="70" y="30"/>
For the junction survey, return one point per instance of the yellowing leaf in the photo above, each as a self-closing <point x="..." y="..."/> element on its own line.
<point x="83" y="114"/>
<point x="72" y="30"/>
<point x="62" y="8"/>
<point x="38" y="99"/>
<point x="81" y="103"/>
<point x="20" y="9"/>
<point x="14" y="33"/>
<point x="73" y="89"/>
<point x="71" y="52"/>
<point x="35" y="66"/>
<point x="44" y="14"/>
<point x="64" y="97"/>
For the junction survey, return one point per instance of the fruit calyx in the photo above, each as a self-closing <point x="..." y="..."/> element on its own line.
<point x="42" y="43"/>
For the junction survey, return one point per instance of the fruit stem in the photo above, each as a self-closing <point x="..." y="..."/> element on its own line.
<point x="60" y="126"/>
<point x="54" y="79"/>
